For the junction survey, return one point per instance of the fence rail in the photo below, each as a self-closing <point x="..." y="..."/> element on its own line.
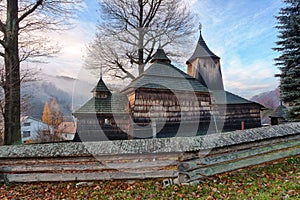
<point x="186" y="159"/>
<point x="194" y="168"/>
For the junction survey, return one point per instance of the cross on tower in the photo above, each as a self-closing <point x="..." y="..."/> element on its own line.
<point x="100" y="71"/>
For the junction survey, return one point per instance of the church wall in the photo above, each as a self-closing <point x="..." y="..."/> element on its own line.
<point x="169" y="111"/>
<point x="91" y="127"/>
<point x="208" y="72"/>
<point x="233" y="115"/>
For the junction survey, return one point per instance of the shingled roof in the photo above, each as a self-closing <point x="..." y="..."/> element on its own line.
<point x="161" y="75"/>
<point x="202" y="51"/>
<point x="225" y="97"/>
<point x="279" y="112"/>
<point x="160" y="56"/>
<point x="100" y="87"/>
<point x="113" y="104"/>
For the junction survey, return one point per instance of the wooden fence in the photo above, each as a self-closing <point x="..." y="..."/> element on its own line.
<point x="186" y="159"/>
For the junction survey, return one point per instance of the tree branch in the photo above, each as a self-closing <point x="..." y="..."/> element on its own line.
<point x="153" y="10"/>
<point x="3" y="43"/>
<point x="31" y="10"/>
<point x="2" y="27"/>
<point x="120" y="66"/>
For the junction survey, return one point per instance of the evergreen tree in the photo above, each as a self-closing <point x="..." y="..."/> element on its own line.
<point x="288" y="45"/>
<point x="47" y="116"/>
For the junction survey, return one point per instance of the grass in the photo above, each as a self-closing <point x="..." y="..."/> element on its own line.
<point x="273" y="180"/>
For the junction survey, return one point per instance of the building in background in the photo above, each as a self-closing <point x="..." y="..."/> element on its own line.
<point x="278" y="116"/>
<point x="67" y="130"/>
<point x="34" y="130"/>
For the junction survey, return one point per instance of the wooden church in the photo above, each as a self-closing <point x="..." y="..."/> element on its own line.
<point x="231" y="112"/>
<point x="167" y="102"/>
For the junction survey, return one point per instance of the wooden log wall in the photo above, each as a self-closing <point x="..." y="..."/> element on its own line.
<point x="92" y="127"/>
<point x="165" y="105"/>
<point x="233" y="115"/>
<point x="188" y="159"/>
<point x="169" y="111"/>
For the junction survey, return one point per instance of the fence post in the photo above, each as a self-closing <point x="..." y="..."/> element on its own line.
<point x="243" y="125"/>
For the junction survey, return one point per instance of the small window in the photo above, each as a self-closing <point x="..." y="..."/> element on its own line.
<point x="26" y="134"/>
<point x="26" y="124"/>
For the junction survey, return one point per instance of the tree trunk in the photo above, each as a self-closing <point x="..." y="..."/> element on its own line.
<point x="141" y="39"/>
<point x="12" y="133"/>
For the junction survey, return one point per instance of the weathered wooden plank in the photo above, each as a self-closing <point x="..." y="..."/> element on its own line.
<point x="150" y="166"/>
<point x="253" y="161"/>
<point x="230" y="166"/>
<point x="48" y="160"/>
<point x="234" y="148"/>
<point x="146" y="162"/>
<point x="54" y="177"/>
<point x="145" y="156"/>
<point x="231" y="157"/>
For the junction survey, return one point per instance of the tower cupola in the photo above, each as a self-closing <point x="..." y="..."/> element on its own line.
<point x="160" y="56"/>
<point x="101" y="91"/>
<point x="205" y="66"/>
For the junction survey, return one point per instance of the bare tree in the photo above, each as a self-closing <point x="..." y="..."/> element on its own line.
<point x="130" y="30"/>
<point x="27" y="75"/>
<point x="19" y="20"/>
<point x="43" y="135"/>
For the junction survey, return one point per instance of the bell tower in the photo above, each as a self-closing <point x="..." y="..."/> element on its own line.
<point x="101" y="91"/>
<point x="205" y="66"/>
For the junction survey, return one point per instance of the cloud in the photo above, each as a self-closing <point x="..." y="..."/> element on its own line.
<point x="73" y="43"/>
<point x="249" y="79"/>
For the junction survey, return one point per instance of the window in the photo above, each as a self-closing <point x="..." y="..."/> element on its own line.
<point x="26" y="124"/>
<point x="26" y="134"/>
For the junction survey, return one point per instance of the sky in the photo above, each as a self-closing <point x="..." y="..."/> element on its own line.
<point x="241" y="32"/>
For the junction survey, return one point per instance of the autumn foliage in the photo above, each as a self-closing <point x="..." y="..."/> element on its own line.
<point x="51" y="114"/>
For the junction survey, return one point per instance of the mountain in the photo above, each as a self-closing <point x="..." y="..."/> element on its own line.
<point x="69" y="92"/>
<point x="269" y="99"/>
